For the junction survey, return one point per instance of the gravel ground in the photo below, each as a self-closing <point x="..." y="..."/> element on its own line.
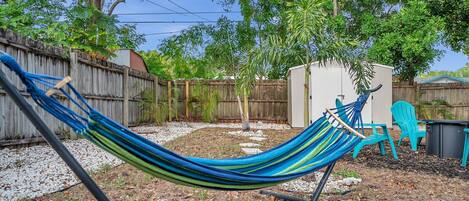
<point x="308" y="184"/>
<point x="37" y="170"/>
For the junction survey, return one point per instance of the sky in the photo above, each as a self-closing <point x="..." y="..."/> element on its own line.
<point x="449" y="61"/>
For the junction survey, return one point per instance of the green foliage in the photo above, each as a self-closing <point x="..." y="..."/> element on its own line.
<point x="158" y="64"/>
<point x="35" y="19"/>
<point x="462" y="72"/>
<point x="434" y="109"/>
<point x="175" y="94"/>
<point x="405" y="40"/>
<point x="78" y="26"/>
<point x="203" y="51"/>
<point x="310" y="37"/>
<point x="149" y="110"/>
<point x="204" y="102"/>
<point x="455" y="16"/>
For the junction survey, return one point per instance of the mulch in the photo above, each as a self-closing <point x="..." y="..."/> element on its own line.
<point x="415" y="176"/>
<point x="411" y="161"/>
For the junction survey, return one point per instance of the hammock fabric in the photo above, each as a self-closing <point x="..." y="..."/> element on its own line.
<point x="319" y="145"/>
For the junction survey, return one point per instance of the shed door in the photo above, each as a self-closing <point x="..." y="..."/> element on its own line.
<point x="327" y="84"/>
<point x="350" y="96"/>
<point x="325" y="87"/>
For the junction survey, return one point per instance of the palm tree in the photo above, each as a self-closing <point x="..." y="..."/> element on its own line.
<point x="310" y="38"/>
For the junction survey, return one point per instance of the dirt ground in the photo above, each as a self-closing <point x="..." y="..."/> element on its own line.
<point x="415" y="176"/>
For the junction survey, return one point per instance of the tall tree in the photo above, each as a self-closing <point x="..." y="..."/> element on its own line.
<point x="78" y="26"/>
<point x="310" y="37"/>
<point x="405" y="40"/>
<point x="100" y="4"/>
<point x="455" y="16"/>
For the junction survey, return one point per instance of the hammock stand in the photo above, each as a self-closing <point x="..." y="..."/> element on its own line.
<point x="56" y="144"/>
<point x="327" y="173"/>
<point x="51" y="138"/>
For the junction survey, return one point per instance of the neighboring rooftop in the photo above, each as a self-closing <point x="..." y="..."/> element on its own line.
<point x="129" y="58"/>
<point x="442" y="79"/>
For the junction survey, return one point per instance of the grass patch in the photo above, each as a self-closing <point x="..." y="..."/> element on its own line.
<point x="104" y="168"/>
<point x="119" y="182"/>
<point x="344" y="173"/>
<point x="202" y="194"/>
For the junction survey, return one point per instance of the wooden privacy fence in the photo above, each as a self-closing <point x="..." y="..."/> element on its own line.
<point x="456" y="94"/>
<point x="267" y="101"/>
<point x="112" y="89"/>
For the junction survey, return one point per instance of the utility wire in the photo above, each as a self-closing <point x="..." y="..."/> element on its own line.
<point x="172" y="2"/>
<point x="161" y="6"/>
<point x="161" y="33"/>
<point x="172" y="22"/>
<point x="179" y="13"/>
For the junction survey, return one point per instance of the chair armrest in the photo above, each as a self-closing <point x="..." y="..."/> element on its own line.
<point x="422" y="122"/>
<point x="374" y="125"/>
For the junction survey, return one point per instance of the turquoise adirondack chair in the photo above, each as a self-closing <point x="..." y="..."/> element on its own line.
<point x="375" y="137"/>
<point x="466" y="148"/>
<point x="404" y="116"/>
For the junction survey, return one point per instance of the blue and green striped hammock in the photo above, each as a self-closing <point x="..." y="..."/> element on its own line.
<point x="322" y="143"/>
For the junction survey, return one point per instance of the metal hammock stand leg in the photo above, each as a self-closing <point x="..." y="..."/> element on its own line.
<point x="51" y="138"/>
<point x="314" y="196"/>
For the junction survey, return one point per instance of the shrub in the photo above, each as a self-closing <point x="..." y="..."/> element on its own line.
<point x="204" y="102"/>
<point x="149" y="110"/>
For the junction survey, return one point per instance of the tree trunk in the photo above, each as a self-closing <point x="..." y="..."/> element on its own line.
<point x="246" y="126"/>
<point x="240" y="108"/>
<point x="411" y="80"/>
<point x="113" y="6"/>
<point x="336" y="7"/>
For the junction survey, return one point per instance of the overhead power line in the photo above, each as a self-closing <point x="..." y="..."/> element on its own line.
<point x="161" y="6"/>
<point x="171" y="22"/>
<point x="172" y="2"/>
<point x="161" y="33"/>
<point x="179" y="13"/>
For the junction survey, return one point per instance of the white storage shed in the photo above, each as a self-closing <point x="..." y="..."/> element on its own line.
<point x="332" y="81"/>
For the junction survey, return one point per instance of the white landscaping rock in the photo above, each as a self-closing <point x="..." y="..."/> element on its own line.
<point x="37" y="170"/>
<point x="332" y="185"/>
<point x="350" y="181"/>
<point x="251" y="151"/>
<point x="258" y="138"/>
<point x="249" y="144"/>
<point x="258" y="133"/>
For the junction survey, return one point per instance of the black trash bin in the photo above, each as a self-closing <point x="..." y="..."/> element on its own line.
<point x="445" y="138"/>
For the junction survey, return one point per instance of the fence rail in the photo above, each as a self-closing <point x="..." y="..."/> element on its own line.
<point x="455" y="94"/>
<point x="114" y="90"/>
<point x="267" y="101"/>
<point x="105" y="86"/>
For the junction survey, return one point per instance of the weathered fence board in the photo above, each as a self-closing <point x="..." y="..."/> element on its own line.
<point x="100" y="82"/>
<point x="457" y="95"/>
<point x="267" y="101"/>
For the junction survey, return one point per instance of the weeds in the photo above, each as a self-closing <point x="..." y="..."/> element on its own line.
<point x="119" y="182"/>
<point x="151" y="111"/>
<point x="348" y="173"/>
<point x="105" y="168"/>
<point x="204" y="102"/>
<point x="202" y="194"/>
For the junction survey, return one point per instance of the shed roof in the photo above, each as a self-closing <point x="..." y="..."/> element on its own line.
<point x="316" y="62"/>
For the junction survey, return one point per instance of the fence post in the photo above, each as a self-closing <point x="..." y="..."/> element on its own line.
<point x="125" y="87"/>
<point x="187" y="99"/>
<point x="156" y="89"/>
<point x="169" y="101"/>
<point x="417" y="93"/>
<point x="72" y="72"/>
